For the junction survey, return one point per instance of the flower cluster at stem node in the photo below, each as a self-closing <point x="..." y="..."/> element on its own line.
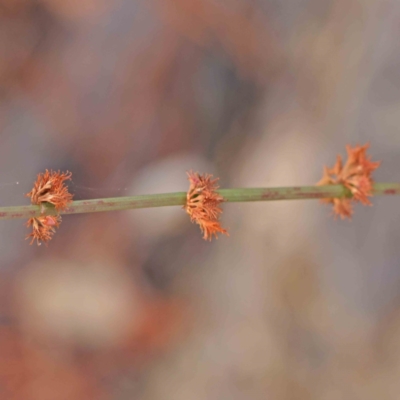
<point x="202" y="204"/>
<point x="49" y="188"/>
<point x="355" y="175"/>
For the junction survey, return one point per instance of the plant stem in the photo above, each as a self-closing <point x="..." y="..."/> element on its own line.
<point x="179" y="198"/>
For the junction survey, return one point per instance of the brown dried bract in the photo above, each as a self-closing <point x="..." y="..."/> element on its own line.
<point x="50" y="188"/>
<point x="355" y="175"/>
<point x="43" y="228"/>
<point x="202" y="204"/>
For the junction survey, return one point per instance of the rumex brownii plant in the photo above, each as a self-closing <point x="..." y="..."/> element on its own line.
<point x="341" y="186"/>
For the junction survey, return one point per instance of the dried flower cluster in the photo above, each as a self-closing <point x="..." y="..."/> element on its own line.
<point x="49" y="188"/>
<point x="355" y="175"/>
<point x="203" y="200"/>
<point x="43" y="227"/>
<point x="202" y="204"/>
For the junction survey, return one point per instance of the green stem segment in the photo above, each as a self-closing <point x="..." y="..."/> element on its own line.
<point x="178" y="199"/>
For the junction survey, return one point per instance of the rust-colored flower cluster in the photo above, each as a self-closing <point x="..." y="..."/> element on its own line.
<point x="355" y="175"/>
<point x="49" y="188"/>
<point x="202" y="204"/>
<point x="203" y="201"/>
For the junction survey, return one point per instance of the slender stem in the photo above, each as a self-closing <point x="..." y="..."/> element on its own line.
<point x="179" y="198"/>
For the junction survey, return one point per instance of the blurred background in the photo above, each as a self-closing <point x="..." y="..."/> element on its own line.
<point x="130" y="94"/>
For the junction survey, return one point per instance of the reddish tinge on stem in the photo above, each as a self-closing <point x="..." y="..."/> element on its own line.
<point x="202" y="204"/>
<point x="355" y="175"/>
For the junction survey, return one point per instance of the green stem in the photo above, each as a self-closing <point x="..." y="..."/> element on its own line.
<point x="178" y="199"/>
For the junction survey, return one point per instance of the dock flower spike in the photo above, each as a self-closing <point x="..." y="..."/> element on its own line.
<point x="355" y="175"/>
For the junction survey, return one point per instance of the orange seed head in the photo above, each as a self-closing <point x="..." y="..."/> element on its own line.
<point x="202" y="204"/>
<point x="50" y="188"/>
<point x="355" y="175"/>
<point x="43" y="228"/>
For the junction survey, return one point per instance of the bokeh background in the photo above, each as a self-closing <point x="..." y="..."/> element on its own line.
<point x="129" y="95"/>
